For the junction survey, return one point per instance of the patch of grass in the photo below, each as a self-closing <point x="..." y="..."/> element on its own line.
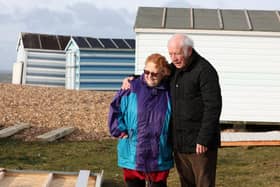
<point x="257" y="166"/>
<point x="63" y="156"/>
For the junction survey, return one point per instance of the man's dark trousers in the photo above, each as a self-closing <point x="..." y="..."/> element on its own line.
<point x="196" y="170"/>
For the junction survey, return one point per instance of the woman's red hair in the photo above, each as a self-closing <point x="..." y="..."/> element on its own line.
<point x="160" y="62"/>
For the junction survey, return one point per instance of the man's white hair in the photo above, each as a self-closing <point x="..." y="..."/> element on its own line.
<point x="186" y="42"/>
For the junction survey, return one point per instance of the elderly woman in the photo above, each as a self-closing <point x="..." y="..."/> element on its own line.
<point x="140" y="118"/>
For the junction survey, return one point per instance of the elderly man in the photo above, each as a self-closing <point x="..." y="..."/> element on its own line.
<point x="196" y="107"/>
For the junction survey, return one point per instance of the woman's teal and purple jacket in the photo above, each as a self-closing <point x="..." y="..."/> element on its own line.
<point x="143" y="113"/>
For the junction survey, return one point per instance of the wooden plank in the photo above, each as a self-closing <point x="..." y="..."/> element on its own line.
<point x="2" y="174"/>
<point x="49" y="178"/>
<point x="56" y="134"/>
<point x="99" y="179"/>
<point x="251" y="143"/>
<point x="22" y="179"/>
<point x="83" y="178"/>
<point x="9" y="131"/>
<point x="250" y="136"/>
<point x="61" y="180"/>
<point x="48" y="181"/>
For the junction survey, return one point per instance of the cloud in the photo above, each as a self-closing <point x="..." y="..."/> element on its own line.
<point x="81" y="19"/>
<point x="105" y="22"/>
<point x="179" y="4"/>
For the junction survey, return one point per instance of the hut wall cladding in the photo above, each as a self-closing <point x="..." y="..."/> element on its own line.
<point x="47" y="108"/>
<point x="104" y="70"/>
<point x="45" y="68"/>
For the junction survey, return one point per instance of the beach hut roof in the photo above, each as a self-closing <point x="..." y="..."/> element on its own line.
<point x="44" y="41"/>
<point x="104" y="43"/>
<point x="207" y="19"/>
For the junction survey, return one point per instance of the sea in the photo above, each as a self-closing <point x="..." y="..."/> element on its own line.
<point x="5" y="76"/>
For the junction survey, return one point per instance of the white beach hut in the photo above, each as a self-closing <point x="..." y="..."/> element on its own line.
<point x="243" y="45"/>
<point x="40" y="59"/>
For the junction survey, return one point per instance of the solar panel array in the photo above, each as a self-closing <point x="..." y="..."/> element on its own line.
<point x="104" y="43"/>
<point x="59" y="42"/>
<point x="208" y="19"/>
<point x="44" y="41"/>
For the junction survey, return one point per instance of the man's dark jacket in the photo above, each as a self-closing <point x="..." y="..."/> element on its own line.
<point x="196" y="105"/>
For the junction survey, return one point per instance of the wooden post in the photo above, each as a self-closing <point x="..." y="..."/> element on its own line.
<point x="48" y="181"/>
<point x="83" y="178"/>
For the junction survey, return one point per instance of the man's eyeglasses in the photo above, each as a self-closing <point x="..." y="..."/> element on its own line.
<point x="146" y="72"/>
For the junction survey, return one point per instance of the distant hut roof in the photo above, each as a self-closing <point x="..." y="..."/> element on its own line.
<point x="104" y="43"/>
<point x="207" y="19"/>
<point x="59" y="42"/>
<point x="44" y="41"/>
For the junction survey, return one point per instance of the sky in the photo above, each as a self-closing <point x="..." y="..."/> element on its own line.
<point x="93" y="18"/>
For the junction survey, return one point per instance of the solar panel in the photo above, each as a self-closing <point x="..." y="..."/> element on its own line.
<point x="107" y="43"/>
<point x="81" y="42"/>
<point x="131" y="42"/>
<point x="63" y="40"/>
<point x="94" y="43"/>
<point x="49" y="42"/>
<point x="121" y="44"/>
<point x="31" y="41"/>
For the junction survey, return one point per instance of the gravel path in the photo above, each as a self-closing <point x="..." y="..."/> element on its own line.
<point x="48" y="108"/>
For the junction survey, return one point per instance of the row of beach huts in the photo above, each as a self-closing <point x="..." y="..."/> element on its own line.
<point x="243" y="45"/>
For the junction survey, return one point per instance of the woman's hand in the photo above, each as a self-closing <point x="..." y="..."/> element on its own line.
<point x="126" y="83"/>
<point x="123" y="135"/>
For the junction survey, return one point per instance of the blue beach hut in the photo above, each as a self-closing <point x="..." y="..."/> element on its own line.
<point x="98" y="63"/>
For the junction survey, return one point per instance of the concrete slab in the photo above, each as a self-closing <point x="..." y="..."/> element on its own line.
<point x="56" y="134"/>
<point x="9" y="131"/>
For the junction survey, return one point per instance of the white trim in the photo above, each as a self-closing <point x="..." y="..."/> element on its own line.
<point x="85" y="38"/>
<point x="40" y="42"/>
<point x="107" y="55"/>
<point x="106" y="49"/>
<point x="99" y="88"/>
<point x="100" y="43"/>
<point x="69" y="43"/>
<point x="207" y="32"/>
<point x="221" y="24"/>
<point x="248" y="20"/>
<point x="19" y="41"/>
<point x="163" y="18"/>
<point x="44" y="78"/>
<point x="278" y="15"/>
<point x="106" y="72"/>
<point x="100" y="81"/>
<point x="42" y="61"/>
<point x="114" y="44"/>
<point x="107" y="64"/>
<point x="127" y="44"/>
<point x="58" y="42"/>
<point x="45" y="50"/>
<point x="191" y="18"/>
<point x="45" y="70"/>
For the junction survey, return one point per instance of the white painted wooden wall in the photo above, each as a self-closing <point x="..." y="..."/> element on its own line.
<point x="248" y="67"/>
